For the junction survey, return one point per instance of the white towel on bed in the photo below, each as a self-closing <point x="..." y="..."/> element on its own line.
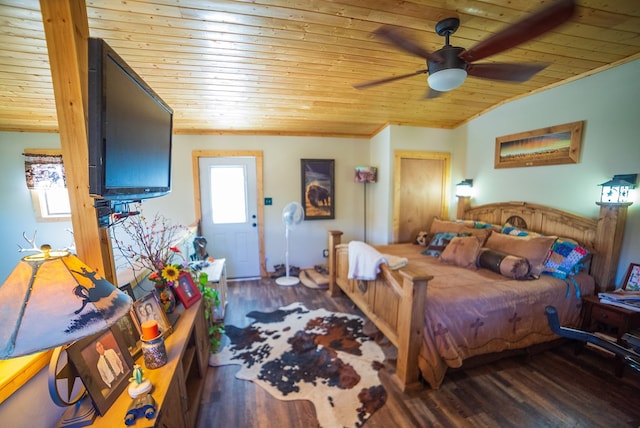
<point x="395" y="262"/>
<point x="364" y="261"/>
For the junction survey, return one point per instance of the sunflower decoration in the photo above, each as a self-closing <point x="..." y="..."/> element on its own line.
<point x="170" y="273"/>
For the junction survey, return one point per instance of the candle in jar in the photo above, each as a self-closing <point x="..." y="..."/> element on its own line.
<point x="150" y="330"/>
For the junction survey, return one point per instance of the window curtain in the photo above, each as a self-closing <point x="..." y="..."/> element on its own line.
<point x="43" y="171"/>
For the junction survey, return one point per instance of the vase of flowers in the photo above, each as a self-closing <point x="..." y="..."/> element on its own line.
<point x="151" y="246"/>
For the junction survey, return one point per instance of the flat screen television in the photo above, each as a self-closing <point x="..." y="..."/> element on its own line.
<point x="129" y="131"/>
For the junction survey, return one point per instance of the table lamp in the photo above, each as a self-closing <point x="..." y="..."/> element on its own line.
<point x="52" y="299"/>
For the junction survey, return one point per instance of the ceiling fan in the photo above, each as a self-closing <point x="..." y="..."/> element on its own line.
<point x="449" y="66"/>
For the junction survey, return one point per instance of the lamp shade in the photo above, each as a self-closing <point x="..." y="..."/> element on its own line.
<point x="618" y="189"/>
<point x="52" y="299"/>
<point x="365" y="174"/>
<point x="447" y="79"/>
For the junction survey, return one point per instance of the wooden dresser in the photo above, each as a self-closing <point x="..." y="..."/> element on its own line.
<point x="178" y="385"/>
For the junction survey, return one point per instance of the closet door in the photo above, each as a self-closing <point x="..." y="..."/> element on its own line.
<point x="421" y="183"/>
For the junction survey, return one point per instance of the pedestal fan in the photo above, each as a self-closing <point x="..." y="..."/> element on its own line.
<point x="292" y="214"/>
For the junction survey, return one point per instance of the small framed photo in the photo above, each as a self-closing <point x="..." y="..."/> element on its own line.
<point x="149" y="308"/>
<point x="104" y="364"/>
<point x="130" y="331"/>
<point x="632" y="280"/>
<point x="186" y="290"/>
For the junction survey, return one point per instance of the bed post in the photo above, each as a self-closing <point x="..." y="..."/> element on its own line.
<point x="335" y="238"/>
<point x="410" y="326"/>
<point x="611" y="222"/>
<point x="464" y="203"/>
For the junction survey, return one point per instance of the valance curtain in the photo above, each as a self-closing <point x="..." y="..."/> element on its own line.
<point x="44" y="171"/>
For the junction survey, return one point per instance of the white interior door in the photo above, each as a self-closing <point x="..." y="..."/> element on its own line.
<point x="229" y="213"/>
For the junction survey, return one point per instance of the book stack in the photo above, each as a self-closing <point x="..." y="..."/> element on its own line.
<point x="629" y="300"/>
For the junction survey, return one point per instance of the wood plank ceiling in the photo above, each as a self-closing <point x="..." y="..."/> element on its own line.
<point x="286" y="67"/>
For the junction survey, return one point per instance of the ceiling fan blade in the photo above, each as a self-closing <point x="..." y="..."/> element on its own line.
<point x="388" y="79"/>
<point x="505" y="71"/>
<point x="395" y="36"/>
<point x="529" y="28"/>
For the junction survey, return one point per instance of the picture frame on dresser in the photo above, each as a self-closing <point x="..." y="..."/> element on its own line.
<point x="148" y="307"/>
<point x="104" y="365"/>
<point x="131" y="333"/>
<point x="632" y="278"/>
<point x="186" y="290"/>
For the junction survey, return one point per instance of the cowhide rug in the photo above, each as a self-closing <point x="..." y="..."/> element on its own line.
<point x="298" y="354"/>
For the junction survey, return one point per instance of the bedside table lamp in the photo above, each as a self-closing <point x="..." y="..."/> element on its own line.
<point x="52" y="299"/>
<point x="365" y="174"/>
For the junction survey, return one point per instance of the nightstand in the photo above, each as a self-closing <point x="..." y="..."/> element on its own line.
<point x="597" y="315"/>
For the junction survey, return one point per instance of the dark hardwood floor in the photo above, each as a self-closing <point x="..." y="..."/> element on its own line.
<point x="555" y="388"/>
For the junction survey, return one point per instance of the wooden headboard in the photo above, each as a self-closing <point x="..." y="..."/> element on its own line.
<point x="602" y="235"/>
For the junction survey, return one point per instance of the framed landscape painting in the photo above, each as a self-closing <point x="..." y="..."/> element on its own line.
<point x="554" y="145"/>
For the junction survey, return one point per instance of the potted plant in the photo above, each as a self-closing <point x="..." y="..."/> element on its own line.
<point x="211" y="299"/>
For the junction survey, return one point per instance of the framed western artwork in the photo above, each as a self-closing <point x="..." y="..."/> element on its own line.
<point x="318" y="188"/>
<point x="554" y="145"/>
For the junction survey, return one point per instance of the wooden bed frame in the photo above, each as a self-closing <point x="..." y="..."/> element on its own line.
<point x="395" y="301"/>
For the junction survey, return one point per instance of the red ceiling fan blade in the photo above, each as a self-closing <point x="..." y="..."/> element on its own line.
<point x="395" y="36"/>
<point x="388" y="79"/>
<point x="529" y="28"/>
<point x="504" y="71"/>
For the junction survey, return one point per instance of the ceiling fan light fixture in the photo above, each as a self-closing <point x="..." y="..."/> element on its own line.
<point x="447" y="79"/>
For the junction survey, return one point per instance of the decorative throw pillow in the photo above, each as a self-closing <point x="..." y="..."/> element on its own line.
<point x="565" y="258"/>
<point x="505" y="264"/>
<point x="439" y="226"/>
<point x="533" y="248"/>
<point x="438" y="243"/>
<point x="481" y="234"/>
<point x="462" y="251"/>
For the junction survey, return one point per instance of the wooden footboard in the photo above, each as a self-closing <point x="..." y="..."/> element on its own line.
<point x="394" y="302"/>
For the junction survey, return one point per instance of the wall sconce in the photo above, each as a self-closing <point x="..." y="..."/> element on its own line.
<point x="617" y="191"/>
<point x="464" y="188"/>
<point x="365" y="174"/>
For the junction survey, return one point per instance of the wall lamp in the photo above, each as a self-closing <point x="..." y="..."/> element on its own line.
<point x="464" y="188"/>
<point x="617" y="191"/>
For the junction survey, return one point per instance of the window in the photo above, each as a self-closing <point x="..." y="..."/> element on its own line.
<point x="51" y="204"/>
<point x="228" y="196"/>
<point x="44" y="174"/>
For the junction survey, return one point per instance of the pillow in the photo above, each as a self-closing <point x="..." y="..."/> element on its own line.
<point x="439" y="243"/>
<point x="476" y="224"/>
<point x="509" y="229"/>
<point x="462" y="251"/>
<point x="481" y="234"/>
<point x="533" y="248"/>
<point x="505" y="264"/>
<point x="439" y="226"/>
<point x="565" y="259"/>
